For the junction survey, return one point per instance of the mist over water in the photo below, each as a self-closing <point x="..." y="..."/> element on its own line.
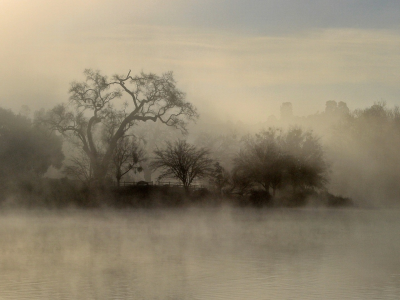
<point x="301" y="165"/>
<point x="200" y="253"/>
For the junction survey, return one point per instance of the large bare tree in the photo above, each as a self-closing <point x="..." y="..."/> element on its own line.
<point x="93" y="106"/>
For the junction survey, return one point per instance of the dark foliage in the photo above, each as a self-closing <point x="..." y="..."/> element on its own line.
<point x="219" y="177"/>
<point x="276" y="160"/>
<point x="259" y="198"/>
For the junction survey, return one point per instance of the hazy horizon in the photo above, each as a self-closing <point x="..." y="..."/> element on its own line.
<point x="237" y="60"/>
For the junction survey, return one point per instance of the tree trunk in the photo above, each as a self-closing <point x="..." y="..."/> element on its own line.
<point x="99" y="175"/>
<point x="118" y="175"/>
<point x="187" y="189"/>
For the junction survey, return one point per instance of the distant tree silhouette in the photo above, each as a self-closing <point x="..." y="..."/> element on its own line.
<point x="331" y="107"/>
<point x="182" y="161"/>
<point x="342" y="108"/>
<point x="336" y="109"/>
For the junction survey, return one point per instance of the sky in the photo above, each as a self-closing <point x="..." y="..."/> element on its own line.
<point x="234" y="59"/>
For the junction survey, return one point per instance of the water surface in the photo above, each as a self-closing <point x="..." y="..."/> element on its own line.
<point x="200" y="253"/>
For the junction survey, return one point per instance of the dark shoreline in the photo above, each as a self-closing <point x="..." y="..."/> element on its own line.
<point x="64" y="193"/>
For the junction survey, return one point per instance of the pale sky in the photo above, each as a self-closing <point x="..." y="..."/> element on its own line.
<point x="238" y="59"/>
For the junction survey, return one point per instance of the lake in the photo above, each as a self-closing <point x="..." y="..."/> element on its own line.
<point x="200" y="253"/>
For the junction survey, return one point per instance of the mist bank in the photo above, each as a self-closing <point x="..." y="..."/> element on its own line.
<point x="200" y="253"/>
<point x="358" y="146"/>
<point x="361" y="147"/>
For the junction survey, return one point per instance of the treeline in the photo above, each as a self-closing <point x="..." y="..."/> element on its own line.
<point x="104" y="142"/>
<point x="274" y="167"/>
<point x="363" y="147"/>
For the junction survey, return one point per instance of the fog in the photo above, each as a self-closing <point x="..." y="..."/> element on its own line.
<point x="242" y="65"/>
<point x="237" y="67"/>
<point x="360" y="145"/>
<point x="202" y="253"/>
<point x="253" y="71"/>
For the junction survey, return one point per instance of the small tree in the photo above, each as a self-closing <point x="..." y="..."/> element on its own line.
<point x="153" y="134"/>
<point x="182" y="161"/>
<point x="127" y="156"/>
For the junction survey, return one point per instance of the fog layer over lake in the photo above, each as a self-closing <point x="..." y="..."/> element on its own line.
<point x="199" y="253"/>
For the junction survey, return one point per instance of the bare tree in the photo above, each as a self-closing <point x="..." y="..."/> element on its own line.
<point x="78" y="167"/>
<point x="152" y="98"/>
<point x="182" y="161"/>
<point x="151" y="135"/>
<point x="128" y="155"/>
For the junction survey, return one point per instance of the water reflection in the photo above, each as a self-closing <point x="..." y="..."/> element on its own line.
<point x="221" y="253"/>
